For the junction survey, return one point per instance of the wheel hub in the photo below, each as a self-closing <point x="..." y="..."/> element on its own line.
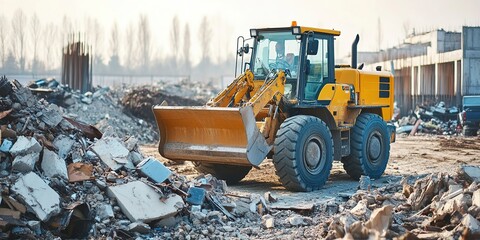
<point x="375" y="146"/>
<point x="314" y="155"/>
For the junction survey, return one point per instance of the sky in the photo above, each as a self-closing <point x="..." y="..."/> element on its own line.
<point x="230" y="19"/>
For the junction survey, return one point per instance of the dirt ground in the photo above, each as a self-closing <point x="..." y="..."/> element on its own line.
<point x="413" y="156"/>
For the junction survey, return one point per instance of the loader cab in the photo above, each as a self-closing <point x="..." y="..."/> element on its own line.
<point x="305" y="54"/>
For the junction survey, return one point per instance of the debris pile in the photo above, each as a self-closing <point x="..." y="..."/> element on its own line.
<point x="100" y="108"/>
<point x="436" y="119"/>
<point x="436" y="206"/>
<point x="139" y="102"/>
<point x="63" y="178"/>
<point x="185" y="88"/>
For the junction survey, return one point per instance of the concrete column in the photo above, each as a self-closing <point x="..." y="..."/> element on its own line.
<point x="456" y="84"/>
<point x="437" y="87"/>
<point x="419" y="80"/>
<point x="412" y="80"/>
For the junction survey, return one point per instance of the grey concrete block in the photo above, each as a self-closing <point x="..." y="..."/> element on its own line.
<point x="64" y="145"/>
<point x="42" y="200"/>
<point x="53" y="165"/>
<point x="24" y="146"/>
<point x="51" y="115"/>
<point x="112" y="152"/>
<point x="140" y="202"/>
<point x="105" y="211"/>
<point x="25" y="163"/>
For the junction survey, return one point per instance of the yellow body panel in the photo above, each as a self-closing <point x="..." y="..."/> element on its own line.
<point x="339" y="96"/>
<point x="319" y="30"/>
<point x="371" y="92"/>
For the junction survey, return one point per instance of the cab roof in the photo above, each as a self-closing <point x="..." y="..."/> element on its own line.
<point x="304" y="30"/>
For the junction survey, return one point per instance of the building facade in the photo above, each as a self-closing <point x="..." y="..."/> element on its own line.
<point x="431" y="67"/>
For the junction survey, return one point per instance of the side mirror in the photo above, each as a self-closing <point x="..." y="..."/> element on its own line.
<point x="312" y="46"/>
<point x="246" y="49"/>
<point x="243" y="50"/>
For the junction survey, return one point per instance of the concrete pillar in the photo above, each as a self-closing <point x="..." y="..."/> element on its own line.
<point x="419" y="80"/>
<point x="456" y="84"/>
<point x="437" y="84"/>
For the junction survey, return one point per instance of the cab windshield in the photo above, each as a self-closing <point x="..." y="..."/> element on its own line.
<point x="276" y="51"/>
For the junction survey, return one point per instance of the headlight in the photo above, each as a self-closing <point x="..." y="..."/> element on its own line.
<point x="296" y="30"/>
<point x="253" y="32"/>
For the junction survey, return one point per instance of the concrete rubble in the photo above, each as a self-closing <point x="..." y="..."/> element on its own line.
<point x="42" y="200"/>
<point x="430" y="119"/>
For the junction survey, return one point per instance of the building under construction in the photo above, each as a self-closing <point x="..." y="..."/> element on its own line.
<point x="433" y="66"/>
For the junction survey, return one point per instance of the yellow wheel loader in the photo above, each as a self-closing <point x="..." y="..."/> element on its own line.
<point x="291" y="103"/>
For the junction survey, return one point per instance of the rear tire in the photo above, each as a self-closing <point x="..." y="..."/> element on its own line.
<point x="230" y="173"/>
<point x="468" y="131"/>
<point x="370" y="147"/>
<point x="303" y="153"/>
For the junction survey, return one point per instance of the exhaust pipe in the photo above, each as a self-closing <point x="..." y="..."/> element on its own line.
<point x="354" y="52"/>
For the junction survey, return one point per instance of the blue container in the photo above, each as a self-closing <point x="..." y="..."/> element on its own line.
<point x="154" y="169"/>
<point x="6" y="145"/>
<point x="196" y="195"/>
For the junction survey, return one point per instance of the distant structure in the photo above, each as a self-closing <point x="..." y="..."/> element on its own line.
<point x="433" y="66"/>
<point x="77" y="65"/>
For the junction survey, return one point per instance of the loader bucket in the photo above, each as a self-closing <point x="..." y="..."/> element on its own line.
<point x="210" y="134"/>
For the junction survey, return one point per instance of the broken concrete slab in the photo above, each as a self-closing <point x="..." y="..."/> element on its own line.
<point x="25" y="163"/>
<point x="51" y="115"/>
<point x="42" y="200"/>
<point x="476" y="198"/>
<point x="131" y="143"/>
<point x="471" y="173"/>
<point x="140" y="202"/>
<point x="380" y="220"/>
<point x="112" y="152"/>
<point x="297" y="220"/>
<point x="64" y="145"/>
<point x="361" y="209"/>
<point x="268" y="221"/>
<point x="139" y="227"/>
<point x="135" y="158"/>
<point x="471" y="223"/>
<point x="154" y="169"/>
<point x="105" y="211"/>
<point x="24" y="146"/>
<point x="53" y="165"/>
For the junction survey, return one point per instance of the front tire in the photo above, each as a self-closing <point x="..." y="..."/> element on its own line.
<point x="370" y="147"/>
<point x="232" y="174"/>
<point x="303" y="153"/>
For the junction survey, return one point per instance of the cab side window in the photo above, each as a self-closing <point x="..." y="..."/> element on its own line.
<point x="317" y="71"/>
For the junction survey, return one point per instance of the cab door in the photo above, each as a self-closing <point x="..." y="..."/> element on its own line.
<point x="317" y="68"/>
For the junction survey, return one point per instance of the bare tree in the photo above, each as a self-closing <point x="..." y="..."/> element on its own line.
<point x="18" y="37"/>
<point x="50" y="42"/>
<point x="114" y="40"/>
<point x="97" y="34"/>
<point x="144" y="38"/>
<point x="3" y="40"/>
<point x="186" y="47"/>
<point x="204" y="35"/>
<point x="129" y="44"/>
<point x="35" y="32"/>
<point x="175" y="39"/>
<point x="114" y="63"/>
